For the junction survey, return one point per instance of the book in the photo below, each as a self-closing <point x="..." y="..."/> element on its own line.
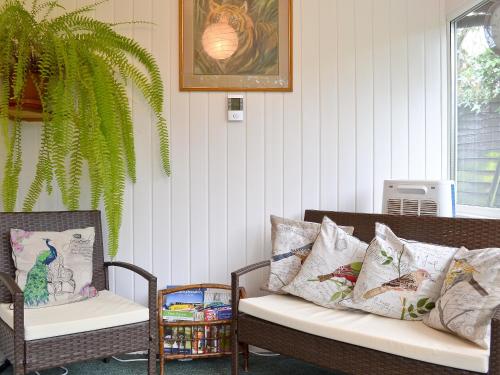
<point x="175" y="341"/>
<point x="178" y="315"/>
<point x="224" y="312"/>
<point x="188" y="340"/>
<point x="168" y="340"/>
<point x="188" y="299"/>
<point x="216" y="297"/>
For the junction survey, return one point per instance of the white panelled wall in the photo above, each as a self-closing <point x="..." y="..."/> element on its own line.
<point x="369" y="103"/>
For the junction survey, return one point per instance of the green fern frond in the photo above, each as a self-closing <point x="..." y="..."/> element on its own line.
<point x="80" y="67"/>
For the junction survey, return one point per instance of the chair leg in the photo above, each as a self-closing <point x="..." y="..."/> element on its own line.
<point x="18" y="369"/>
<point x="152" y="360"/>
<point x="106" y="360"/>
<point x="4" y="366"/>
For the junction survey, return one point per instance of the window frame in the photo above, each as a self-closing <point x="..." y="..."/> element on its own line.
<point x="461" y="210"/>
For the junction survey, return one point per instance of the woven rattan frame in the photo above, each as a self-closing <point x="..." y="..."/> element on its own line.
<point x="351" y="359"/>
<point x="27" y="356"/>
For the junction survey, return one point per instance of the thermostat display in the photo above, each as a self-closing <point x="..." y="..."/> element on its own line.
<point x="235" y="107"/>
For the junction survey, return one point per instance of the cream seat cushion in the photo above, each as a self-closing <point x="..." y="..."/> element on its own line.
<point x="104" y="311"/>
<point x="410" y="339"/>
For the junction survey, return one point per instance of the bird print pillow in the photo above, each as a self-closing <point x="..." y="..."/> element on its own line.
<point x="400" y="279"/>
<point x="53" y="268"/>
<point x="292" y="241"/>
<point x="469" y="296"/>
<point x="329" y="273"/>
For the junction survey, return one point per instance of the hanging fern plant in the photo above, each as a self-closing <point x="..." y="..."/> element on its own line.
<point x="80" y="68"/>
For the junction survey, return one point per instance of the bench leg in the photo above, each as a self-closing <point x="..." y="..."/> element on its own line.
<point x="235" y="367"/>
<point x="246" y="355"/>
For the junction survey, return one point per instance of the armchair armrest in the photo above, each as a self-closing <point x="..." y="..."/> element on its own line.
<point x="132" y="267"/>
<point x="18" y="302"/>
<point x="152" y="290"/>
<point x="10" y="284"/>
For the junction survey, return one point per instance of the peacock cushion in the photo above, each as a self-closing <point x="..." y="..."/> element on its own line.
<point x="53" y="268"/>
<point x="329" y="273"/>
<point x="400" y="279"/>
<point x="469" y="296"/>
<point x="292" y="241"/>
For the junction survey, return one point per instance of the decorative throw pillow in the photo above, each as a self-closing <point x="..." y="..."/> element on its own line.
<point x="470" y="295"/>
<point x="401" y="279"/>
<point x="292" y="241"/>
<point x="330" y="272"/>
<point x="53" y="268"/>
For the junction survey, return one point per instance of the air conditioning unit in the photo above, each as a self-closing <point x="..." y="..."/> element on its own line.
<point x="419" y="198"/>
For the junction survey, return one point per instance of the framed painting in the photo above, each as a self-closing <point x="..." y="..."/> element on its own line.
<point x="235" y="45"/>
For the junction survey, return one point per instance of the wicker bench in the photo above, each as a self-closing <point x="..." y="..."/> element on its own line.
<point x="353" y="359"/>
<point x="27" y="355"/>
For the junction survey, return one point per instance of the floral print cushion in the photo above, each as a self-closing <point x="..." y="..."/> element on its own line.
<point x="53" y="268"/>
<point x="469" y="296"/>
<point x="329" y="273"/>
<point x="400" y="279"/>
<point x="292" y="241"/>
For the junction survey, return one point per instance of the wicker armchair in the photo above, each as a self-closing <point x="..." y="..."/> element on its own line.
<point x="32" y="355"/>
<point x="352" y="359"/>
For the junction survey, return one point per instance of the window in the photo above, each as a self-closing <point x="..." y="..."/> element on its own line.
<point x="476" y="106"/>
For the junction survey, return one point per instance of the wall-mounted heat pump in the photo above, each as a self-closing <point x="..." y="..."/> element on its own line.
<point x="419" y="198"/>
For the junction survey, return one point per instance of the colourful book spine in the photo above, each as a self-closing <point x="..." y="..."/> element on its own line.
<point x="208" y="340"/>
<point x="175" y="341"/>
<point x="201" y="340"/>
<point x="188" y="340"/>
<point x="175" y="315"/>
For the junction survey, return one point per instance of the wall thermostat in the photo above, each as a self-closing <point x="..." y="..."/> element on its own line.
<point x="234" y="107"/>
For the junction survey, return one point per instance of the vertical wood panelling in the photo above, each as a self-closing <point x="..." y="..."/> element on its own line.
<point x="180" y="154"/>
<point x="161" y="217"/>
<point x="347" y="106"/>
<point x="236" y="195"/>
<point x="399" y="87"/>
<point x="142" y="190"/>
<point x="433" y="84"/>
<point x="445" y="91"/>
<point x="416" y="90"/>
<point x="368" y="104"/>
<point x="124" y="280"/>
<point x="217" y="187"/>
<point x="273" y="164"/>
<point x="328" y="60"/>
<point x="364" y="105"/>
<point x="310" y="105"/>
<point x="382" y="119"/>
<point x="255" y="198"/>
<point x="292" y="132"/>
<point x="198" y="147"/>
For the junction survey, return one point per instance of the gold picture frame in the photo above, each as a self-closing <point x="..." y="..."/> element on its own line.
<point x="261" y="56"/>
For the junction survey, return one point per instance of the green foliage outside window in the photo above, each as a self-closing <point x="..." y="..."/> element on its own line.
<point x="478" y="76"/>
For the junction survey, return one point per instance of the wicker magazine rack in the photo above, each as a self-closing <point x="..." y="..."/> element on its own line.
<point x="213" y="331"/>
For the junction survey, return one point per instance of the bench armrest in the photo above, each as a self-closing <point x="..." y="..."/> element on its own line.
<point x="152" y="290"/>
<point x="495" y="343"/>
<point x="235" y="283"/>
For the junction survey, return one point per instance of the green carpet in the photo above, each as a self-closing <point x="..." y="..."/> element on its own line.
<point x="220" y="366"/>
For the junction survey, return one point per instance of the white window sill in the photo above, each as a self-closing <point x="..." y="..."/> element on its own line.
<point x="478" y="212"/>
